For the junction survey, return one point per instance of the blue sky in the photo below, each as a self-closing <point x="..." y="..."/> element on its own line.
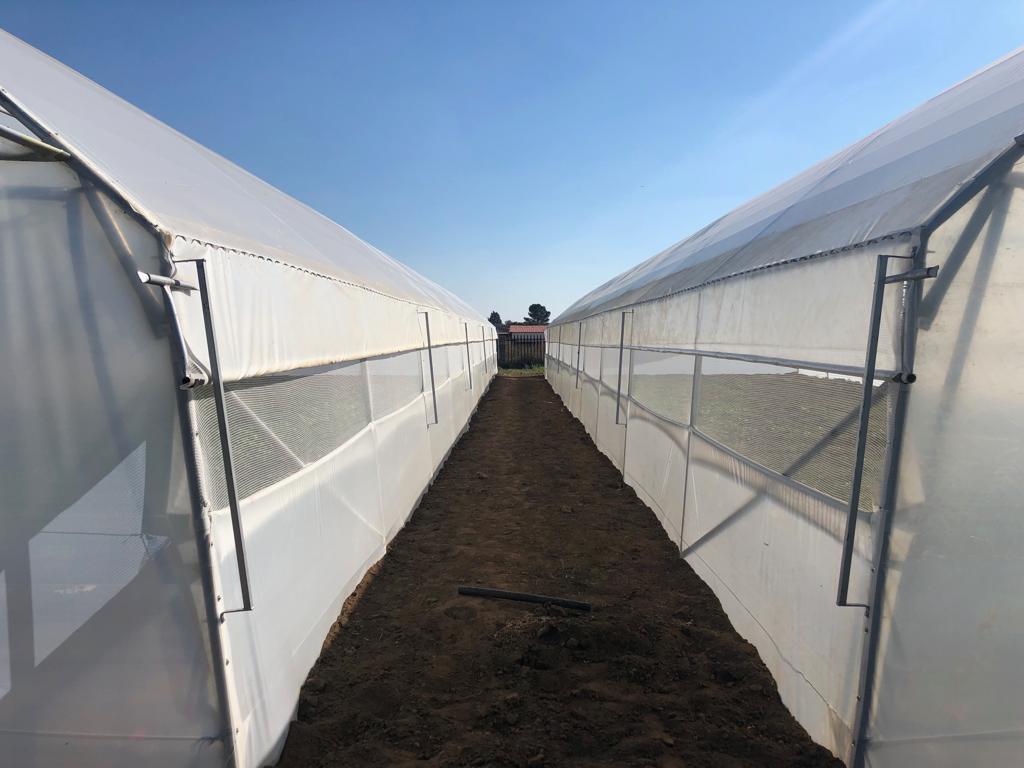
<point x="524" y="151"/>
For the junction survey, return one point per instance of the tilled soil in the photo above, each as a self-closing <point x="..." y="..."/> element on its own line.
<point x="415" y="674"/>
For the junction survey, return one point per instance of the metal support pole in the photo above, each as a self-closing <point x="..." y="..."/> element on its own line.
<point x="912" y="277"/>
<point x="870" y="357"/>
<point x="873" y="613"/>
<point x="579" y="348"/>
<point x="201" y="528"/>
<point x="430" y="362"/>
<point x="225" y="441"/>
<point x="469" y="357"/>
<point x="629" y="394"/>
<point x="40" y="149"/>
<point x="618" y="383"/>
<point x="483" y="347"/>
<point x="694" y="399"/>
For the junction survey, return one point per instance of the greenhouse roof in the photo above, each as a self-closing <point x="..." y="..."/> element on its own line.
<point x="186" y="190"/>
<point x="889" y="183"/>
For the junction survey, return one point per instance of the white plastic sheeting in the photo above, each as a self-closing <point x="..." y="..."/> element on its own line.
<point x="311" y="536"/>
<point x="272" y="317"/>
<point x="104" y="652"/>
<point x="950" y="689"/>
<point x="886" y="184"/>
<point x="190" y="191"/>
<point x="742" y="347"/>
<point x="348" y="378"/>
<point x="295" y="288"/>
<point x="764" y="530"/>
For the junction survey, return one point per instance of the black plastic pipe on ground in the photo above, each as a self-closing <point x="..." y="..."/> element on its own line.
<point x="524" y="597"/>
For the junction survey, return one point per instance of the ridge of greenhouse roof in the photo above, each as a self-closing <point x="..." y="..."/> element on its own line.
<point x="890" y="183"/>
<point x="185" y="190"/>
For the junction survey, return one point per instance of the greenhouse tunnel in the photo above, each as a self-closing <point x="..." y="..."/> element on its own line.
<point x="222" y="408"/>
<point x="819" y="394"/>
<point x="164" y="598"/>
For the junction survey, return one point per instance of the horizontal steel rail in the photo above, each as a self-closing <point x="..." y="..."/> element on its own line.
<point x="846" y="370"/>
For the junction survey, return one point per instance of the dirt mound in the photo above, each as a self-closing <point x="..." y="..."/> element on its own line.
<point x="655" y="675"/>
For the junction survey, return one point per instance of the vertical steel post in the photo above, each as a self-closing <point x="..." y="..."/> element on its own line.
<point x="469" y="357"/>
<point x="873" y="613"/>
<point x="202" y="529"/>
<point x="579" y="348"/>
<point x="618" y="383"/>
<point x="430" y="361"/>
<point x="369" y="386"/>
<point x="483" y="347"/>
<point x="870" y="357"/>
<point x="694" y="401"/>
<point x="629" y="394"/>
<point x="225" y="440"/>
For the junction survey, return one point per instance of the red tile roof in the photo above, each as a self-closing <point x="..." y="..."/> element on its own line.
<point x="527" y="328"/>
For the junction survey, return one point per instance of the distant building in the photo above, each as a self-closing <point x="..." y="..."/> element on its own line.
<point x="527" y="332"/>
<point x="521" y="345"/>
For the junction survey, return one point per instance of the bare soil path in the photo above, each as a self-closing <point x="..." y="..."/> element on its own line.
<point x="415" y="674"/>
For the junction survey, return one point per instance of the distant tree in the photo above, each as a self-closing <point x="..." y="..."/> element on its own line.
<point x="538" y="315"/>
<point x="496" y="321"/>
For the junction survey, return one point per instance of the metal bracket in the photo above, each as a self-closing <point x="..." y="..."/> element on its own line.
<point x="925" y="273"/>
<point x="225" y="439"/>
<point x="165" y="282"/>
